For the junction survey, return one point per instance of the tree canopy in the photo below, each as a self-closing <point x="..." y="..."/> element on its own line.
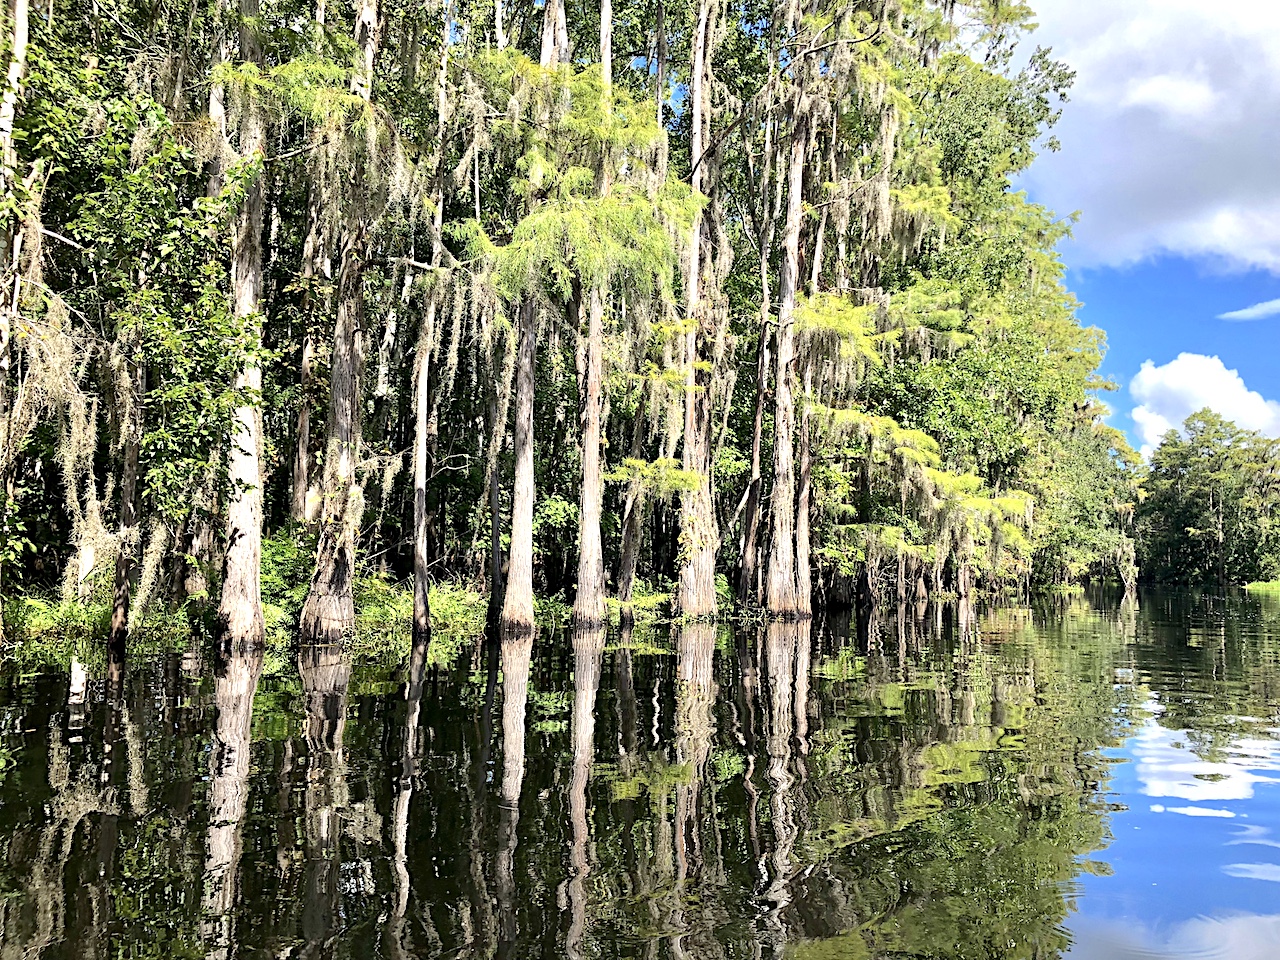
<point x="731" y="299"/>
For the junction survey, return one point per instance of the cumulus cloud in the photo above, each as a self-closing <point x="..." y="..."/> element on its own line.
<point x="1244" y="936"/>
<point x="1166" y="395"/>
<point x="1259" y="311"/>
<point x="1254" y="871"/>
<point x="1171" y="136"/>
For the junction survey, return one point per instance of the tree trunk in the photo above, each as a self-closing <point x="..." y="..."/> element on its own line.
<point x="804" y="571"/>
<point x="421" y="459"/>
<point x="748" y="554"/>
<point x="517" y="606"/>
<point x="240" y="611"/>
<point x="555" y="35"/>
<point x="329" y="610"/>
<point x="660" y="42"/>
<point x="302" y="436"/>
<point x="132" y="429"/>
<point x="315" y="264"/>
<point x="632" y="523"/>
<point x="496" y="585"/>
<point x="699" y="538"/>
<point x="10" y="246"/>
<point x="782" y="588"/>
<point x="588" y="607"/>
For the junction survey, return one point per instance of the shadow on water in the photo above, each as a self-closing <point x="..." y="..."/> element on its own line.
<point x="920" y="783"/>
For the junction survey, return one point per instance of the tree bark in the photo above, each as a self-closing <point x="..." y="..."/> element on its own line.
<point x="421" y="460"/>
<point x="302" y="435"/>
<point x="496" y="583"/>
<point x="588" y="607"/>
<point x="748" y="554"/>
<point x="782" y="588"/>
<point x="804" y="571"/>
<point x="18" y="21"/>
<point x="315" y="263"/>
<point x="660" y="42"/>
<point x="132" y="430"/>
<point x="517" y="605"/>
<point x="240" y="610"/>
<point x="749" y="587"/>
<point x="699" y="537"/>
<point x="555" y="35"/>
<point x="632" y="522"/>
<point x="329" y="610"/>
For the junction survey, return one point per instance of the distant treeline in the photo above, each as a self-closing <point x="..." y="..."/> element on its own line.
<point x="1210" y="512"/>
<point x="728" y="299"/>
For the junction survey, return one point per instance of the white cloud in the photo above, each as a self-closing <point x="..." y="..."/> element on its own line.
<point x="1194" y="812"/>
<point x="1240" y="937"/>
<point x="1254" y="871"/>
<point x="1168" y="394"/>
<point x="1259" y="311"/>
<point x="1169" y="768"/>
<point x="1172" y="133"/>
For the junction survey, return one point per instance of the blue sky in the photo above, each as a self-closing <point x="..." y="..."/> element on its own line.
<point x="1171" y="154"/>
<point x="1168" y="305"/>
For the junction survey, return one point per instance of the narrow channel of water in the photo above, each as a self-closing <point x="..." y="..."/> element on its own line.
<point x="1080" y="778"/>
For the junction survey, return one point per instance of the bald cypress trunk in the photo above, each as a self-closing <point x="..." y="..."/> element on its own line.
<point x="240" y="611"/>
<point x="421" y="462"/>
<point x="699" y="536"/>
<point x="804" y="570"/>
<point x="517" y="605"/>
<point x="632" y="522"/>
<point x="517" y="602"/>
<point x="329" y="610"/>
<point x="316" y="262"/>
<point x="131" y="429"/>
<point x="424" y="428"/>
<point x="748" y="554"/>
<point x="782" y="588"/>
<point x="496" y="582"/>
<point x="302" y="434"/>
<point x="10" y="248"/>
<point x="588" y="607"/>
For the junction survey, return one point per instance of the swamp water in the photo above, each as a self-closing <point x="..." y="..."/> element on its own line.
<point x="1078" y="779"/>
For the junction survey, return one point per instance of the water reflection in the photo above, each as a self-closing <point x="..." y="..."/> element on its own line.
<point x="403" y="794"/>
<point x="235" y="684"/>
<point x="326" y="676"/>
<point x="1078" y="779"/>
<point x="516" y="660"/>
<point x="588" y="650"/>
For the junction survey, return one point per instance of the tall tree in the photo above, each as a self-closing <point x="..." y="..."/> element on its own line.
<point x="329" y="610"/>
<point x="240" y="607"/>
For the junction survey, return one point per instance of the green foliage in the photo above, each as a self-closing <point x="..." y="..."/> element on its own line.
<point x="1209" y="506"/>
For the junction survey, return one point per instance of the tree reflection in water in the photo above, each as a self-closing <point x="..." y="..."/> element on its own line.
<point x="880" y="789"/>
<point x="235" y="683"/>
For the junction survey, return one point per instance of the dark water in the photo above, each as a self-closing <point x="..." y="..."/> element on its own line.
<point x="1079" y="779"/>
